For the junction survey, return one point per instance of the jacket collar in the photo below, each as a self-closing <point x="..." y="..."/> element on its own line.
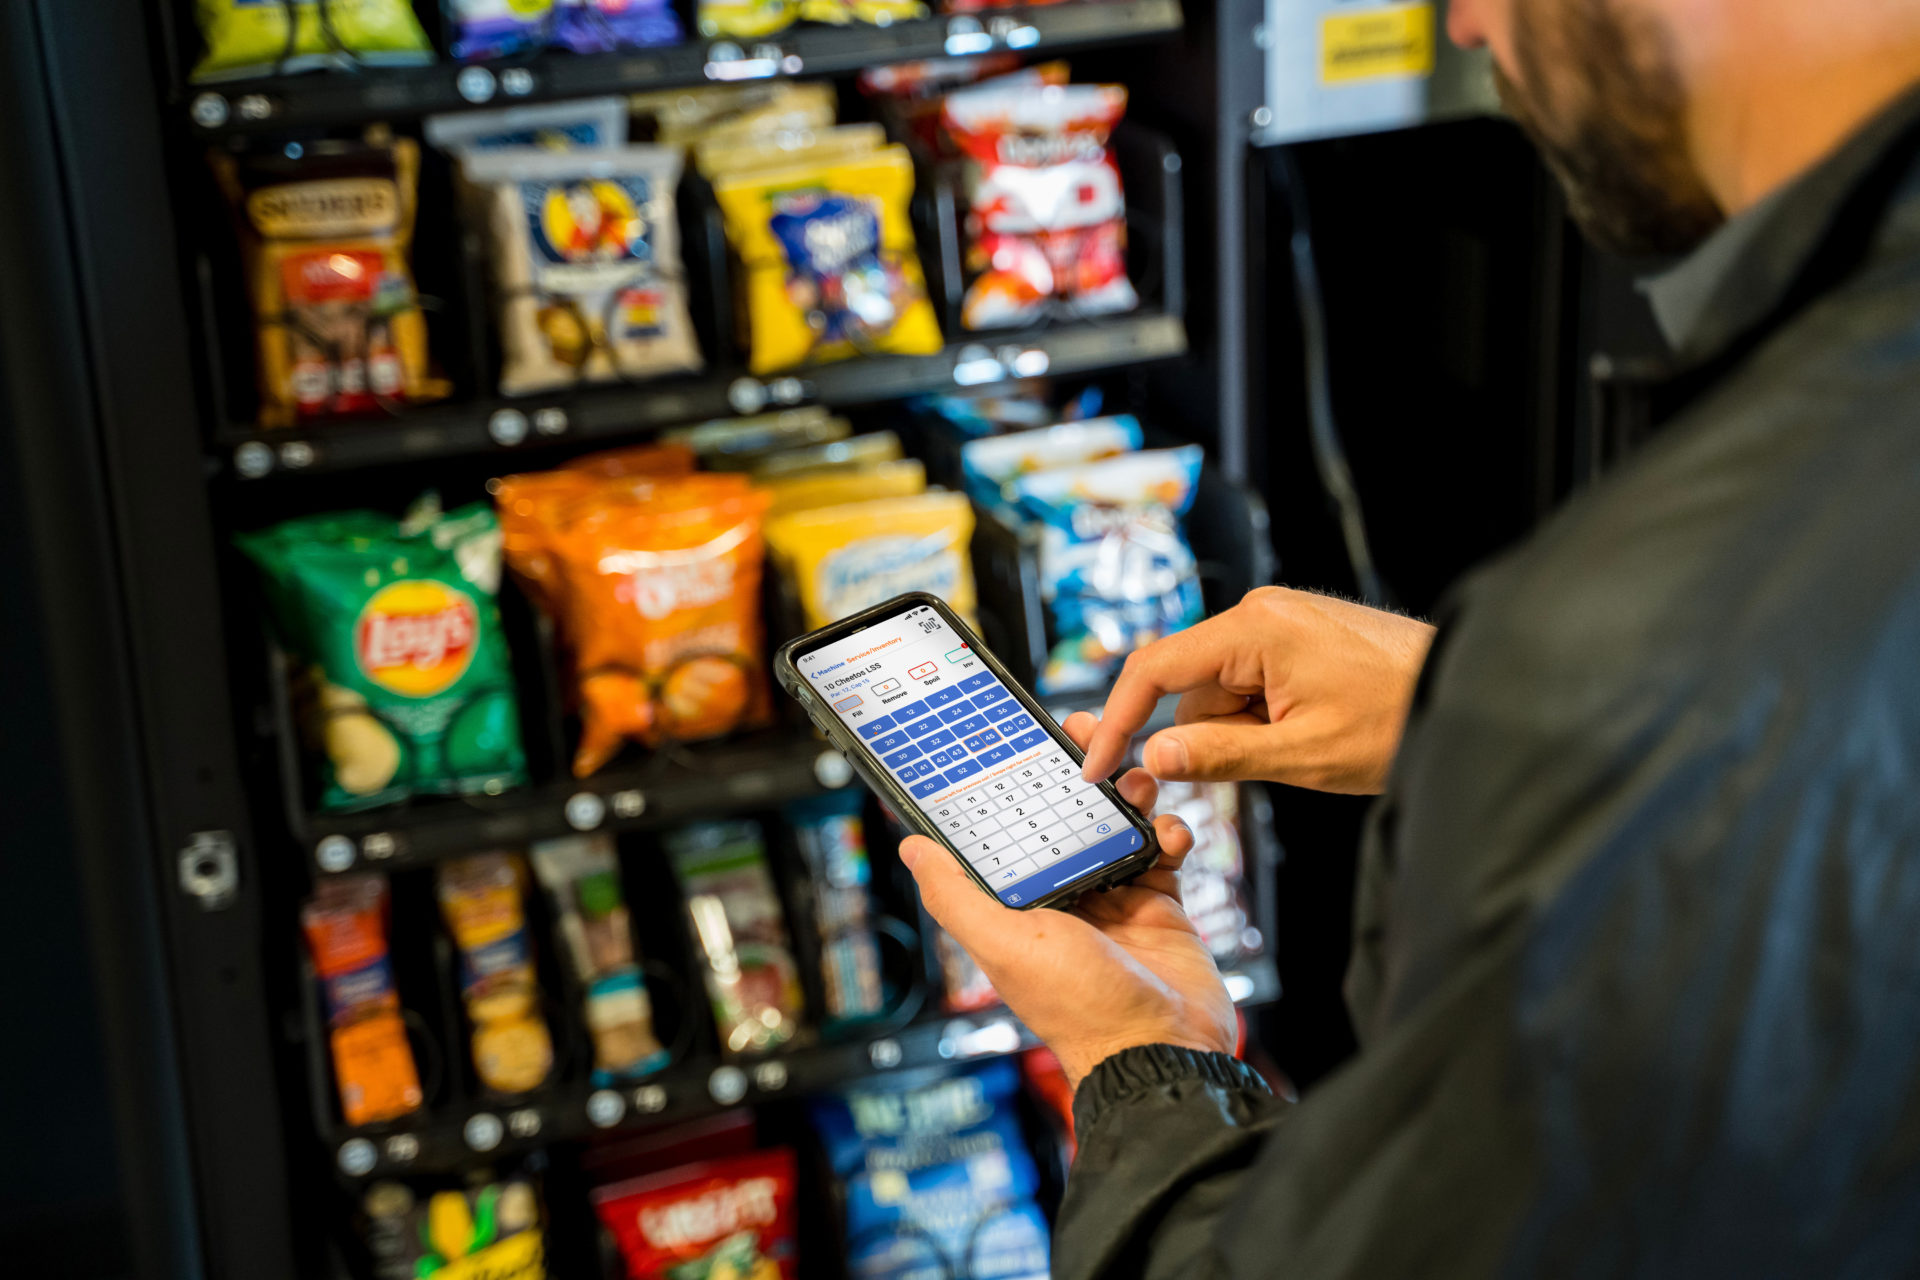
<point x="1745" y="272"/>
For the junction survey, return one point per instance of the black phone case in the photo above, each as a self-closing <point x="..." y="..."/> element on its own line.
<point x="883" y="784"/>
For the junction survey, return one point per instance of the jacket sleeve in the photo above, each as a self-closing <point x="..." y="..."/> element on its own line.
<point x="1165" y="1135"/>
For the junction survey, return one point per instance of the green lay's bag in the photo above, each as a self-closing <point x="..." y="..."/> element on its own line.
<point x="248" y="38"/>
<point x="399" y="624"/>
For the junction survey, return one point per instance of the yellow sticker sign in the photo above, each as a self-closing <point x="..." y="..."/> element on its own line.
<point x="1394" y="40"/>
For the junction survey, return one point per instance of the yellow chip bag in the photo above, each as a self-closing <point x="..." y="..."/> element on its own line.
<point x="881" y="13"/>
<point x="815" y="489"/>
<point x="749" y="18"/>
<point x="843" y="559"/>
<point x="831" y="266"/>
<point x="714" y="157"/>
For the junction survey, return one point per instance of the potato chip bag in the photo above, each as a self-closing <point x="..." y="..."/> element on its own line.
<point x="843" y="559"/>
<point x="744" y="111"/>
<point x="832" y="488"/>
<point x="1047" y="218"/>
<point x="831" y="265"/>
<point x="1116" y="572"/>
<point x="655" y="584"/>
<point x="990" y="466"/>
<point x="490" y="1230"/>
<point x="586" y="250"/>
<point x="247" y="38"/>
<point x="483" y="899"/>
<point x="400" y="627"/>
<point x="325" y="238"/>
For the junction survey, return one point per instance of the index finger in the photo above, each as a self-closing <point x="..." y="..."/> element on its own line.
<point x="1179" y="663"/>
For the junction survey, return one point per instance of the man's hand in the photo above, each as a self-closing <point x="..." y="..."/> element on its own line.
<point x="1286" y="685"/>
<point x="1123" y="968"/>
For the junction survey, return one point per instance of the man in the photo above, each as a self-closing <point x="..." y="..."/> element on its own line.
<point x="1637" y="962"/>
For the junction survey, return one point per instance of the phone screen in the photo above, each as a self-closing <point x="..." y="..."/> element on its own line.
<point x="984" y="773"/>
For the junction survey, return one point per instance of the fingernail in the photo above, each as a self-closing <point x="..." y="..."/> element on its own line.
<point x="909" y="854"/>
<point x="1172" y="755"/>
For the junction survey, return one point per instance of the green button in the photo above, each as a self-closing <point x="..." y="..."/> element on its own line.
<point x="959" y="655"/>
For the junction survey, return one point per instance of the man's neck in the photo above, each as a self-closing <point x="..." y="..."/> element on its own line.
<point x="1782" y="83"/>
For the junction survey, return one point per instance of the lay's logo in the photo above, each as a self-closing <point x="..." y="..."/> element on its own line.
<point x="416" y="638"/>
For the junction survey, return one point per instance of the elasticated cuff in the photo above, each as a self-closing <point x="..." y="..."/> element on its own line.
<point x="1148" y="1067"/>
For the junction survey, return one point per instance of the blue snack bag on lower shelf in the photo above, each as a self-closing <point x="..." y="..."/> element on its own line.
<point x="938" y="1178"/>
<point x="1116" y="572"/>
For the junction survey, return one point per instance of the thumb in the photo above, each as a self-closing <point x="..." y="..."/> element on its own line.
<point x="978" y="922"/>
<point x="1223" y="750"/>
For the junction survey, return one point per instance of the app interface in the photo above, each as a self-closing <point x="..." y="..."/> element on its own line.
<point x="999" y="787"/>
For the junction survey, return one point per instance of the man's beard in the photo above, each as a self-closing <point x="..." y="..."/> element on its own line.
<point x="1602" y="100"/>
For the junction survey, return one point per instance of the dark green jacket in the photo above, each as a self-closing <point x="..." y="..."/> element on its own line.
<point x="1637" y="961"/>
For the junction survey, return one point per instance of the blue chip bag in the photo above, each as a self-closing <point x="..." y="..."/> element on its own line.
<point x="989" y="467"/>
<point x="1116" y="572"/>
<point x="939" y="1180"/>
<point x="501" y="28"/>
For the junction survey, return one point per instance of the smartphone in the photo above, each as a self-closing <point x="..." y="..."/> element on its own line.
<point x="959" y="750"/>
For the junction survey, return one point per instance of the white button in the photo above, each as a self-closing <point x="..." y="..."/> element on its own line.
<point x="1084" y="819"/>
<point x="983" y="825"/>
<point x="1012" y="875"/>
<point x="1044" y="839"/>
<point x="1038" y="785"/>
<point x="1065" y="771"/>
<point x="954" y="824"/>
<point x="1023" y="809"/>
<point x="1060" y="848"/>
<point x="1085" y="800"/>
<point x="979" y="848"/>
<point x="974" y="798"/>
<point x="1055" y="759"/>
<point x="1028" y="772"/>
<point x="946" y="811"/>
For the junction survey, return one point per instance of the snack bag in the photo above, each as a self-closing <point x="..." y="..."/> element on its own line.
<point x="907" y="95"/>
<point x="810" y="490"/>
<point x="582" y="880"/>
<point x="587" y="264"/>
<point x="485" y="912"/>
<point x="736" y="444"/>
<point x="398" y="623"/>
<point x="346" y="927"/>
<point x="751" y="976"/>
<point x="879" y="13"/>
<point x="660" y="460"/>
<point x="501" y="28"/>
<point x="581" y="125"/>
<point x="747" y="19"/>
<point x="661" y="605"/>
<point x="1213" y="876"/>
<point x="731" y="1219"/>
<point x="247" y="38"/>
<point x="1115" y="569"/>
<point x="831" y="840"/>
<point x="831" y="266"/>
<point x="720" y="155"/>
<point x="992" y="465"/>
<point x="325" y="239"/>
<point x="940" y="1167"/>
<point x="846" y="558"/>
<point x="736" y="112"/>
<point x="856" y="453"/>
<point x="490" y="1231"/>
<point x="1046" y="217"/>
